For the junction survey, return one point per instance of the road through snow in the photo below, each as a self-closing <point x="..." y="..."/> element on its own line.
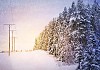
<point x="36" y="60"/>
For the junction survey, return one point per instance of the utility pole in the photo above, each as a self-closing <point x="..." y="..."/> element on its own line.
<point x="9" y="35"/>
<point x="12" y="38"/>
<point x="14" y="43"/>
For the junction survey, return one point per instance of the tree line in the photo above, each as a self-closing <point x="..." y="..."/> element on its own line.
<point x="74" y="36"/>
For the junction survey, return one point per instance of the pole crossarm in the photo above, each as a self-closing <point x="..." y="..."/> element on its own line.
<point x="9" y="24"/>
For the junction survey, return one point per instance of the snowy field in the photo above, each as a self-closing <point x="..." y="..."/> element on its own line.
<point x="36" y="60"/>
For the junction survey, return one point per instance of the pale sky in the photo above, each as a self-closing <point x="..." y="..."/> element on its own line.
<point x="30" y="17"/>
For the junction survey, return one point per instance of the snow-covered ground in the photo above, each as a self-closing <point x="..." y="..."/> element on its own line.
<point x="36" y="60"/>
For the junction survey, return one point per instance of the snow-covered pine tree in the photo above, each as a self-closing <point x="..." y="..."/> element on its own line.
<point x="81" y="25"/>
<point x="60" y="34"/>
<point x="50" y="36"/>
<point x="69" y="56"/>
<point x="53" y="37"/>
<point x="75" y="34"/>
<point x="92" y="51"/>
<point x="91" y="55"/>
<point x="85" y="64"/>
<point x="45" y="38"/>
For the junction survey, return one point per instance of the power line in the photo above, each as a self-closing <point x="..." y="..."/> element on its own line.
<point x="9" y="25"/>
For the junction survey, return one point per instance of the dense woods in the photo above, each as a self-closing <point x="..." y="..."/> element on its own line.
<point x="74" y="36"/>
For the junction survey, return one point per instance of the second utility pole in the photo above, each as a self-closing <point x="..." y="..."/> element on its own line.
<point x="14" y="43"/>
<point x="12" y="38"/>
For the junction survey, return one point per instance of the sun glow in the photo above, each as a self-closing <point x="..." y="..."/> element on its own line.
<point x="25" y="36"/>
<point x="29" y="17"/>
<point x="27" y="29"/>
